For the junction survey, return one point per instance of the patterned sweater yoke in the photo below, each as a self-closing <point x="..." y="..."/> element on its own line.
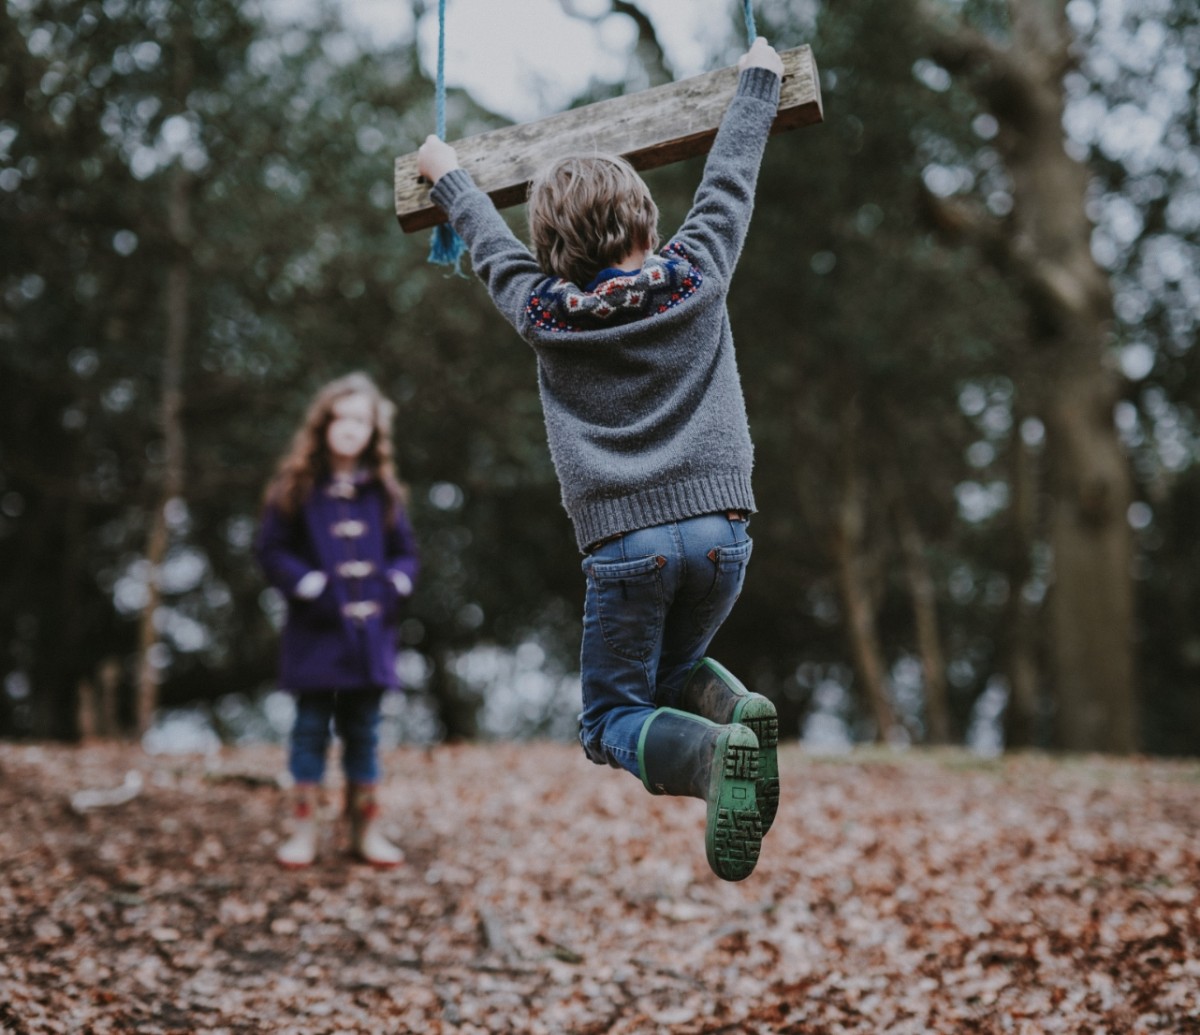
<point x="643" y="404"/>
<point x="665" y="281"/>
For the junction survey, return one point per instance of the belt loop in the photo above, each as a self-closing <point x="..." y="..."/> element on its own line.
<point x="594" y="546"/>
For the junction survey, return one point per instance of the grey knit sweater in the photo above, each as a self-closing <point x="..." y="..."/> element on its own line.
<point x="639" y="384"/>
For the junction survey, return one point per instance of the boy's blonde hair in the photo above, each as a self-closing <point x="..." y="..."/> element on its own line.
<point x="587" y="213"/>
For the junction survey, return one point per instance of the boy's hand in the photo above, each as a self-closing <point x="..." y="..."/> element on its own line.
<point x="761" y="55"/>
<point x="435" y="158"/>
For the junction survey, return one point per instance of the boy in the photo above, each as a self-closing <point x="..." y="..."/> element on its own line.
<point x="648" y="433"/>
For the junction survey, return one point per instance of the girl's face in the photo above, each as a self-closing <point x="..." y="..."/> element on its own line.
<point x="351" y="426"/>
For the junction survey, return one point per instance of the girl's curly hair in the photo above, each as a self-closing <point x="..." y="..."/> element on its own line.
<point x="307" y="460"/>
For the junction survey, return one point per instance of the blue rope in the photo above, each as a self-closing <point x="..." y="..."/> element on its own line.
<point x="441" y="70"/>
<point x="446" y="248"/>
<point x="751" y="32"/>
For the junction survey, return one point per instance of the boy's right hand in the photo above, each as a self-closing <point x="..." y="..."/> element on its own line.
<point x="761" y="55"/>
<point x="435" y="158"/>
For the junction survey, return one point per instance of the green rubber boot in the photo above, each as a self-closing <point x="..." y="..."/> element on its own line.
<point x="690" y="756"/>
<point x="716" y="693"/>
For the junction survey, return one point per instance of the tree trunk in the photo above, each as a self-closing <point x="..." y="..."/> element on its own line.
<point x="1047" y="252"/>
<point x="854" y="584"/>
<point x="1020" y="648"/>
<point x="923" y="590"/>
<point x="64" y="643"/>
<point x="1091" y="601"/>
<point x="108" y="686"/>
<point x="457" y="709"/>
<point x="96" y="707"/>
<point x="178" y="291"/>
<point x="1091" y="605"/>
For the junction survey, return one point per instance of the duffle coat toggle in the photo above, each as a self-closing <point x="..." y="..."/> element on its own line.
<point x="360" y="610"/>
<point x="341" y="489"/>
<point x="349" y="530"/>
<point x="343" y="637"/>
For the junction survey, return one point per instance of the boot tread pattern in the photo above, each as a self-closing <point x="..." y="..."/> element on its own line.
<point x="735" y="828"/>
<point x="736" y="842"/>
<point x="766" y="728"/>
<point x="741" y="762"/>
<point x="758" y="713"/>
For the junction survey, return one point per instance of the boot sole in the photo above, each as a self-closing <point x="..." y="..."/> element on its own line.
<point x="733" y="836"/>
<point x="758" y="713"/>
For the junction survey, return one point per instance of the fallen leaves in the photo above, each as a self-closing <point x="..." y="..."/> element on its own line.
<point x="914" y="893"/>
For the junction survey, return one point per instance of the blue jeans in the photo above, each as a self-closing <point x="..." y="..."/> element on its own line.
<point x="655" y="599"/>
<point x="355" y="716"/>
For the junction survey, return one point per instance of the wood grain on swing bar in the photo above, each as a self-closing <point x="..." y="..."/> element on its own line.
<point x="651" y="128"/>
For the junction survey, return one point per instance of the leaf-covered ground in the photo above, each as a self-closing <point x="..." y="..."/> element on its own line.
<point x="909" y="893"/>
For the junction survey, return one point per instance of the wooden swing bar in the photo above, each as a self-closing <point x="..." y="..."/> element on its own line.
<point x="651" y="128"/>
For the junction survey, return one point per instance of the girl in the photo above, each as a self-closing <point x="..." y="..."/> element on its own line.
<point x="336" y="541"/>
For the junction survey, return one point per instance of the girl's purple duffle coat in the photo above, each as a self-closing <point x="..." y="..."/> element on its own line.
<point x="345" y="638"/>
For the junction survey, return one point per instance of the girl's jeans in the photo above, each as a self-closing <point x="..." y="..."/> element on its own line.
<point x="355" y="716"/>
<point x="655" y="599"/>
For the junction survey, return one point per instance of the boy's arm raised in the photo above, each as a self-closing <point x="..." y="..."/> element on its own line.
<point x="716" y="226"/>
<point x="500" y="259"/>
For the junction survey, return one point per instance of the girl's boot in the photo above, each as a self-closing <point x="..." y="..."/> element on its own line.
<point x="366" y="838"/>
<point x="713" y="691"/>
<point x="691" y="756"/>
<point x="299" y="850"/>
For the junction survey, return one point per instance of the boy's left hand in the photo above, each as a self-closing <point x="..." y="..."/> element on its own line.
<point x="435" y="158"/>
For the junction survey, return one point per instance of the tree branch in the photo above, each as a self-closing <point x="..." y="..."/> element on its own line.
<point x="1045" y="285"/>
<point x="994" y="73"/>
<point x="649" y="47"/>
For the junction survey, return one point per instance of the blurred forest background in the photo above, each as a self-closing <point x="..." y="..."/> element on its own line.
<point x="967" y="323"/>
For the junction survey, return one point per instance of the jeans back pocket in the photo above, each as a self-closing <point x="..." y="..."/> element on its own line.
<point x="628" y="596"/>
<point x="729" y="574"/>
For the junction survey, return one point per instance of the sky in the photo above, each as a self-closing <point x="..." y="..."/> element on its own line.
<point x="524" y="59"/>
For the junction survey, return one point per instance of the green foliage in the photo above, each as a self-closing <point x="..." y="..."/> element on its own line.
<point x="849" y="312"/>
<point x="1141" y="68"/>
<point x="846" y="302"/>
<point x="299" y="274"/>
